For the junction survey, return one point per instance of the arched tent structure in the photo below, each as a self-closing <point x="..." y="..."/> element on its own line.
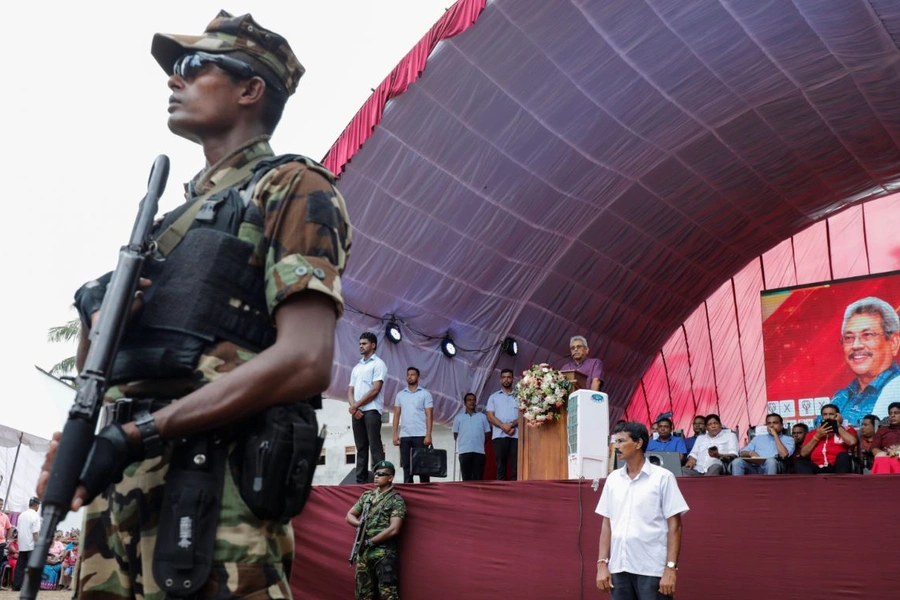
<point x="602" y="168"/>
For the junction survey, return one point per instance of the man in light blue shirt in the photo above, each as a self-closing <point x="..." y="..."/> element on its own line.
<point x="765" y="453"/>
<point x="413" y="417"/>
<point x="366" y="403"/>
<point x="470" y="430"/>
<point x="503" y="414"/>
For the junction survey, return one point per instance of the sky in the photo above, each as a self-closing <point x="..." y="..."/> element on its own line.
<point x="84" y="116"/>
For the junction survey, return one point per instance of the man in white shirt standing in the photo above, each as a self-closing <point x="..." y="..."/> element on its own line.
<point x="640" y="538"/>
<point x="710" y="449"/>
<point x="29" y="526"/>
<point x="366" y="403"/>
<point x="413" y="418"/>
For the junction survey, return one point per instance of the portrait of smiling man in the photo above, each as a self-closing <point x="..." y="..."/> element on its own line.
<point x="869" y="341"/>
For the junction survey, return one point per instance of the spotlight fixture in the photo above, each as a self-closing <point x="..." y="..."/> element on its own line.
<point x="448" y="347"/>
<point x="392" y="331"/>
<point x="510" y="346"/>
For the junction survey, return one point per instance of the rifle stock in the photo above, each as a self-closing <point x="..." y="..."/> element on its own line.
<point x="92" y="382"/>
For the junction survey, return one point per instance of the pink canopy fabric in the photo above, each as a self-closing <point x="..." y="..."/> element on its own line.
<point x="603" y="169"/>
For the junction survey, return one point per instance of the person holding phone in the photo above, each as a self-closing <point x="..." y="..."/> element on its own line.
<point x="826" y="449"/>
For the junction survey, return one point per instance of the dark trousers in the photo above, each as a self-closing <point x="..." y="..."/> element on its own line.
<point x="367" y="436"/>
<point x="842" y="464"/>
<point x="628" y="586"/>
<point x="406" y="447"/>
<point x="506" y="451"/>
<point x="19" y="576"/>
<point x="471" y="466"/>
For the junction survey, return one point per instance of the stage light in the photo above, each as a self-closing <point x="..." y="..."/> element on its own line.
<point x="392" y="331"/>
<point x="510" y="346"/>
<point x="448" y="347"/>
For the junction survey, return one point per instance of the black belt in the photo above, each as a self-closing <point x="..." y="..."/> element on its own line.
<point x="123" y="411"/>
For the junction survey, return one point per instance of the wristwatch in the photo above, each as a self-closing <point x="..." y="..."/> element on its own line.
<point x="672" y="565"/>
<point x="146" y="424"/>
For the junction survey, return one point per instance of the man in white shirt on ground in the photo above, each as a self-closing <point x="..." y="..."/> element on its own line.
<point x="29" y="526"/>
<point x="640" y="537"/>
<point x="366" y="399"/>
<point x="413" y="419"/>
<point x="710" y="449"/>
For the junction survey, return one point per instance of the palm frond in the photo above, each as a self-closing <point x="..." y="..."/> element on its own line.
<point x="64" y="333"/>
<point x="63" y="367"/>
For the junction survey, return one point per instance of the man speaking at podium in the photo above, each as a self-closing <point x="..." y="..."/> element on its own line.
<point x="592" y="368"/>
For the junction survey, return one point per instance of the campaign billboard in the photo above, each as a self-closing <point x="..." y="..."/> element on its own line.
<point x="832" y="341"/>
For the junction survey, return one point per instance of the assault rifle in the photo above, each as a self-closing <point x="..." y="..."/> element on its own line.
<point x="360" y="533"/>
<point x="93" y="381"/>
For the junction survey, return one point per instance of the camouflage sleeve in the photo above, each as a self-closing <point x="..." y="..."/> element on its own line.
<point x="306" y="233"/>
<point x="398" y="507"/>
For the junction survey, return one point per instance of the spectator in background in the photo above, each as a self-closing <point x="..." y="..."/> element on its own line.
<point x="70" y="559"/>
<point x="12" y="551"/>
<point x="471" y="431"/>
<point x="888" y="435"/>
<point x="711" y="449"/>
<point x="798" y="434"/>
<point x="867" y="431"/>
<point x="503" y="414"/>
<point x="666" y="442"/>
<point x="5" y="525"/>
<point x="413" y="419"/>
<point x="826" y="449"/>
<point x="765" y="453"/>
<point x="591" y="368"/>
<point x="699" y="426"/>
<point x="29" y="526"/>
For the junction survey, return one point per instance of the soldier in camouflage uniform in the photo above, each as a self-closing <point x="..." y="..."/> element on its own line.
<point x="377" y="560"/>
<point x="229" y="86"/>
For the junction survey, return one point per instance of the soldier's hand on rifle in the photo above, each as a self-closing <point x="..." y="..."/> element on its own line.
<point x="112" y="451"/>
<point x="137" y="305"/>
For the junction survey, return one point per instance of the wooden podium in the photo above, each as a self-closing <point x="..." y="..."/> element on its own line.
<point x="543" y="451"/>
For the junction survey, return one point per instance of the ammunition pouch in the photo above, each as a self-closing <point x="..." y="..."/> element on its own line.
<point x="275" y="460"/>
<point x="386" y="569"/>
<point x="186" y="533"/>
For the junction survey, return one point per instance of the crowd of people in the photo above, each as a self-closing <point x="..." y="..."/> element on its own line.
<point x="833" y="446"/>
<point x="17" y="543"/>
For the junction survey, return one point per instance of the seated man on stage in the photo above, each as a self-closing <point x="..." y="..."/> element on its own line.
<point x="826" y="449"/>
<point x="666" y="442"/>
<point x="710" y="450"/>
<point x="888" y="435"/>
<point x="765" y="453"/>
<point x="592" y="368"/>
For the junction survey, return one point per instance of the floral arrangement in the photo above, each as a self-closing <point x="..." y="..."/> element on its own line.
<point x="542" y="392"/>
<point x="893" y="451"/>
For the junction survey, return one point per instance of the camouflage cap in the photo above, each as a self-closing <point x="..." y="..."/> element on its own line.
<point x="227" y="33"/>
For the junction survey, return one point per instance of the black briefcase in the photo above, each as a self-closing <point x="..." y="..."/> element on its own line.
<point x="429" y="461"/>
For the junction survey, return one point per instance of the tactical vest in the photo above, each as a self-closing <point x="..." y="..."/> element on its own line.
<point x="204" y="291"/>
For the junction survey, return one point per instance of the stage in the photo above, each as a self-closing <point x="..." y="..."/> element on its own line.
<point x="754" y="537"/>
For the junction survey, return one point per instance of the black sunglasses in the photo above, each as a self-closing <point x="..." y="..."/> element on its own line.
<point x="382" y="474"/>
<point x="189" y="65"/>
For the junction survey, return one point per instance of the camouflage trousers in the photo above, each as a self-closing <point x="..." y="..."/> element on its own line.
<point x="376" y="575"/>
<point x="251" y="558"/>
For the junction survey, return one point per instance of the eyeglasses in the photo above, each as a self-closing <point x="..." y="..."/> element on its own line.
<point x="382" y="474"/>
<point x="189" y="65"/>
<point x="578" y="347"/>
<point x="866" y="337"/>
